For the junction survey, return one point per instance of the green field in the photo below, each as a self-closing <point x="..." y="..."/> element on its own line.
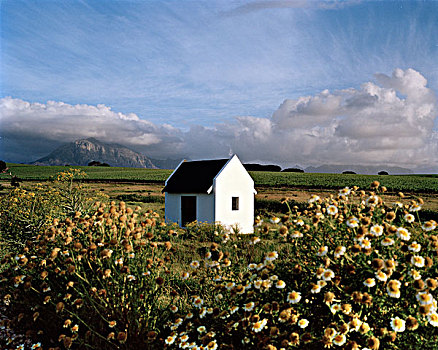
<point x="412" y="183"/>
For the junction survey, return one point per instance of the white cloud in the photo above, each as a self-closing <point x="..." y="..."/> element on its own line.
<point x="388" y="122"/>
<point x="57" y="122"/>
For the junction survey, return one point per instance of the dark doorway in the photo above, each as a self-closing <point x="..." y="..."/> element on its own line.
<point x="188" y="209"/>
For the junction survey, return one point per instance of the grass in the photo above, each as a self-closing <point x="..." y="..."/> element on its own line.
<point x="411" y="183"/>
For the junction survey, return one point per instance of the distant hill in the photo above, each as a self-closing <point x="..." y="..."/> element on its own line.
<point x="82" y="152"/>
<point x="358" y="169"/>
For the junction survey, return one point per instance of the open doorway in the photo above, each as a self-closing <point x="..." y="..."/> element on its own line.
<point x="188" y="209"/>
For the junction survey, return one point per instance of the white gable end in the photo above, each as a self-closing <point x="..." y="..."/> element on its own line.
<point x="234" y="186"/>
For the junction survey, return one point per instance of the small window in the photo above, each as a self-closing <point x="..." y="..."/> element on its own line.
<point x="235" y="203"/>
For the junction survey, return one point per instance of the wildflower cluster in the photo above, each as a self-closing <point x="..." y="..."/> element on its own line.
<point x="93" y="279"/>
<point x="348" y="272"/>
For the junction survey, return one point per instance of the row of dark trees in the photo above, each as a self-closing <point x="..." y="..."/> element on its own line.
<point x="277" y="168"/>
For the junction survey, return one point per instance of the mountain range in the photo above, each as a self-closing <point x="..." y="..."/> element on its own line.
<point x="84" y="151"/>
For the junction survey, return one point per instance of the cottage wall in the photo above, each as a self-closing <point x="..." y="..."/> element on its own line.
<point x="204" y="207"/>
<point x="234" y="181"/>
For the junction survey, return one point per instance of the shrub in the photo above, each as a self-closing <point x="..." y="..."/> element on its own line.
<point x="25" y="213"/>
<point x="97" y="280"/>
<point x="347" y="271"/>
<point x="341" y="275"/>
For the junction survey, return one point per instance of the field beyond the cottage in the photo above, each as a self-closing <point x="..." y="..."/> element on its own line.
<point x="336" y="261"/>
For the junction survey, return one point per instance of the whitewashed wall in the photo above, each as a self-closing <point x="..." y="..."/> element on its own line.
<point x="172" y="209"/>
<point x="234" y="181"/>
<point x="204" y="207"/>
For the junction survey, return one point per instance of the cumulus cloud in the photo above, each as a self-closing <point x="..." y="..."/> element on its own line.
<point x="390" y="121"/>
<point x="36" y="128"/>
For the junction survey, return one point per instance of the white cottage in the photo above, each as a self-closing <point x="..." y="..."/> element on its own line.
<point x="219" y="190"/>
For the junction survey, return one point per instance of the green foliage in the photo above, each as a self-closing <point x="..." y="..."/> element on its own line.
<point x="24" y="213"/>
<point x="412" y="183"/>
<point x="41" y="173"/>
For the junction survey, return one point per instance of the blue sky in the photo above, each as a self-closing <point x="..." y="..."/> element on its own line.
<point x="194" y="64"/>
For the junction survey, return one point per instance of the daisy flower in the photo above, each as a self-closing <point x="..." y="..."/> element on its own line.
<point x="414" y="247"/>
<point x="332" y="210"/>
<point x="185" y="275"/>
<point x="321" y="283"/>
<point x="197" y="302"/>
<point x="249" y="306"/>
<point x="376" y="230"/>
<point x="233" y="309"/>
<point x="211" y="345"/>
<point x="335" y="308"/>
<point x="322" y="251"/>
<point x="365" y="243"/>
<point x="316" y="288"/>
<point x="409" y="218"/>
<point x="381" y="276"/>
<point x="271" y="256"/>
<point x="258" y="284"/>
<point x="170" y="340"/>
<point x="202" y="312"/>
<point x="194" y="264"/>
<point x="174" y="308"/>
<point x="294" y="297"/>
<point x="280" y="284"/>
<point x="131" y="278"/>
<point x="340" y="250"/>
<point x="403" y="234"/>
<point x="433" y="319"/>
<point x="344" y="192"/>
<point x="252" y="266"/>
<point x="417" y="260"/>
<point x="303" y="323"/>
<point x="296" y="234"/>
<point x="372" y="201"/>
<point x="429" y="225"/>
<point x="258" y="326"/>
<point x="352" y="222"/>
<point x="370" y="282"/>
<point x="339" y="339"/>
<point x="314" y="198"/>
<point x="328" y="275"/>
<point x="275" y="220"/>
<point x="415" y="207"/>
<point x="424" y="298"/>
<point x="393" y="288"/>
<point x="387" y="241"/>
<point x="415" y="274"/>
<point x="299" y="222"/>
<point x="397" y="324"/>
<point x="254" y="240"/>
<point x="184" y="338"/>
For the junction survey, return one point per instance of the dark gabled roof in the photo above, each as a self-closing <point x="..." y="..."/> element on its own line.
<point x="194" y="176"/>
